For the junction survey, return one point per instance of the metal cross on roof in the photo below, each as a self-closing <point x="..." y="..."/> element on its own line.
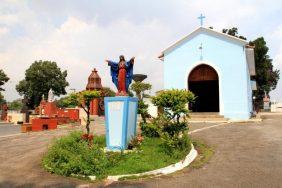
<point x="201" y="18"/>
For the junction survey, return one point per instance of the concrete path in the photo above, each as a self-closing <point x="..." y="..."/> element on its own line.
<point x="9" y="129"/>
<point x="246" y="155"/>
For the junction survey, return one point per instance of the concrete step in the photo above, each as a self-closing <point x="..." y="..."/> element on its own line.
<point x="205" y="115"/>
<point x="208" y="120"/>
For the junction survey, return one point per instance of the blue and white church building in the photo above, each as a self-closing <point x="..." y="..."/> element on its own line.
<point x="217" y="68"/>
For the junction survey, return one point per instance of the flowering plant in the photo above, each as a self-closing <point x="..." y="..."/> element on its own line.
<point x="87" y="137"/>
<point x="136" y="142"/>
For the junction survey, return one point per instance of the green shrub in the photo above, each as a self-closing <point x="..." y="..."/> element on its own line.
<point x="149" y="130"/>
<point x="155" y="127"/>
<point x="175" y="145"/>
<point x="174" y="102"/>
<point x="172" y="125"/>
<point x="72" y="155"/>
<point x="175" y="128"/>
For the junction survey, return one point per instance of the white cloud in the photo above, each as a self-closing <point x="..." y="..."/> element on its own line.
<point x="80" y="38"/>
<point x="79" y="46"/>
<point x="3" y="30"/>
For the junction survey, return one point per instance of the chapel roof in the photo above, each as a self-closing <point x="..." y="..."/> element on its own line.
<point x="211" y="32"/>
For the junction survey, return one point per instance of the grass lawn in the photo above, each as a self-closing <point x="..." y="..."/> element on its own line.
<point x="149" y="157"/>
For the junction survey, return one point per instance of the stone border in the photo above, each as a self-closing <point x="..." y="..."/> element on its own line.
<point x="226" y="121"/>
<point x="162" y="171"/>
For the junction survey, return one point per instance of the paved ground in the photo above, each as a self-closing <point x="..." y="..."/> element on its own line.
<point x="7" y="129"/>
<point x="246" y="155"/>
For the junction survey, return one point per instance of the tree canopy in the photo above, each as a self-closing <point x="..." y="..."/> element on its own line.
<point x="2" y="100"/>
<point x="3" y="79"/>
<point x="233" y="32"/>
<point x="139" y="88"/>
<point x="15" y="105"/>
<point x="40" y="77"/>
<point x="266" y="76"/>
<point x="83" y="100"/>
<point x="174" y="102"/>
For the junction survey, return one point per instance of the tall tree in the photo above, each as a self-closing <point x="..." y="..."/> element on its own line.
<point x="266" y="76"/>
<point x="40" y="77"/>
<point x="3" y="79"/>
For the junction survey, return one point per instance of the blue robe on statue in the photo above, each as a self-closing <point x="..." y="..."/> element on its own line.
<point x="115" y="70"/>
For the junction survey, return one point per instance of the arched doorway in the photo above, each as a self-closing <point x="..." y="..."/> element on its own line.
<point x="203" y="82"/>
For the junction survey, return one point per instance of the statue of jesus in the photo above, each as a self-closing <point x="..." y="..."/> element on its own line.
<point x="122" y="73"/>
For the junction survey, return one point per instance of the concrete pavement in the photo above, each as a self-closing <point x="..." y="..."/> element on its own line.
<point x="246" y="155"/>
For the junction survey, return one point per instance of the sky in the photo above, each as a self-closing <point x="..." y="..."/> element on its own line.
<point x="81" y="35"/>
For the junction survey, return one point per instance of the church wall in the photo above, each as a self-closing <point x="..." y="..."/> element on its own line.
<point x="227" y="58"/>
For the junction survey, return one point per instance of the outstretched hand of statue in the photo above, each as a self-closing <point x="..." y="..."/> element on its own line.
<point x="132" y="60"/>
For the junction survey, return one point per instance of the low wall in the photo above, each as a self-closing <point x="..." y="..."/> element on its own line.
<point x="152" y="109"/>
<point x="276" y="106"/>
<point x="15" y="117"/>
<point x="40" y="124"/>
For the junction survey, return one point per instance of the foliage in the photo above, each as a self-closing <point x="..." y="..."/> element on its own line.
<point x="143" y="110"/>
<point x="174" y="144"/>
<point x="149" y="129"/>
<point x="107" y="92"/>
<point x="172" y="132"/>
<point x="40" y="77"/>
<point x="139" y="88"/>
<point x="71" y="155"/>
<point x="266" y="77"/>
<point x="135" y="142"/>
<point x="174" y="102"/>
<point x="3" y="79"/>
<point x="15" y="105"/>
<point x="2" y="100"/>
<point x="233" y="32"/>
<point x="155" y="127"/>
<point x="63" y="103"/>
<point x="83" y="100"/>
<point x="150" y="156"/>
